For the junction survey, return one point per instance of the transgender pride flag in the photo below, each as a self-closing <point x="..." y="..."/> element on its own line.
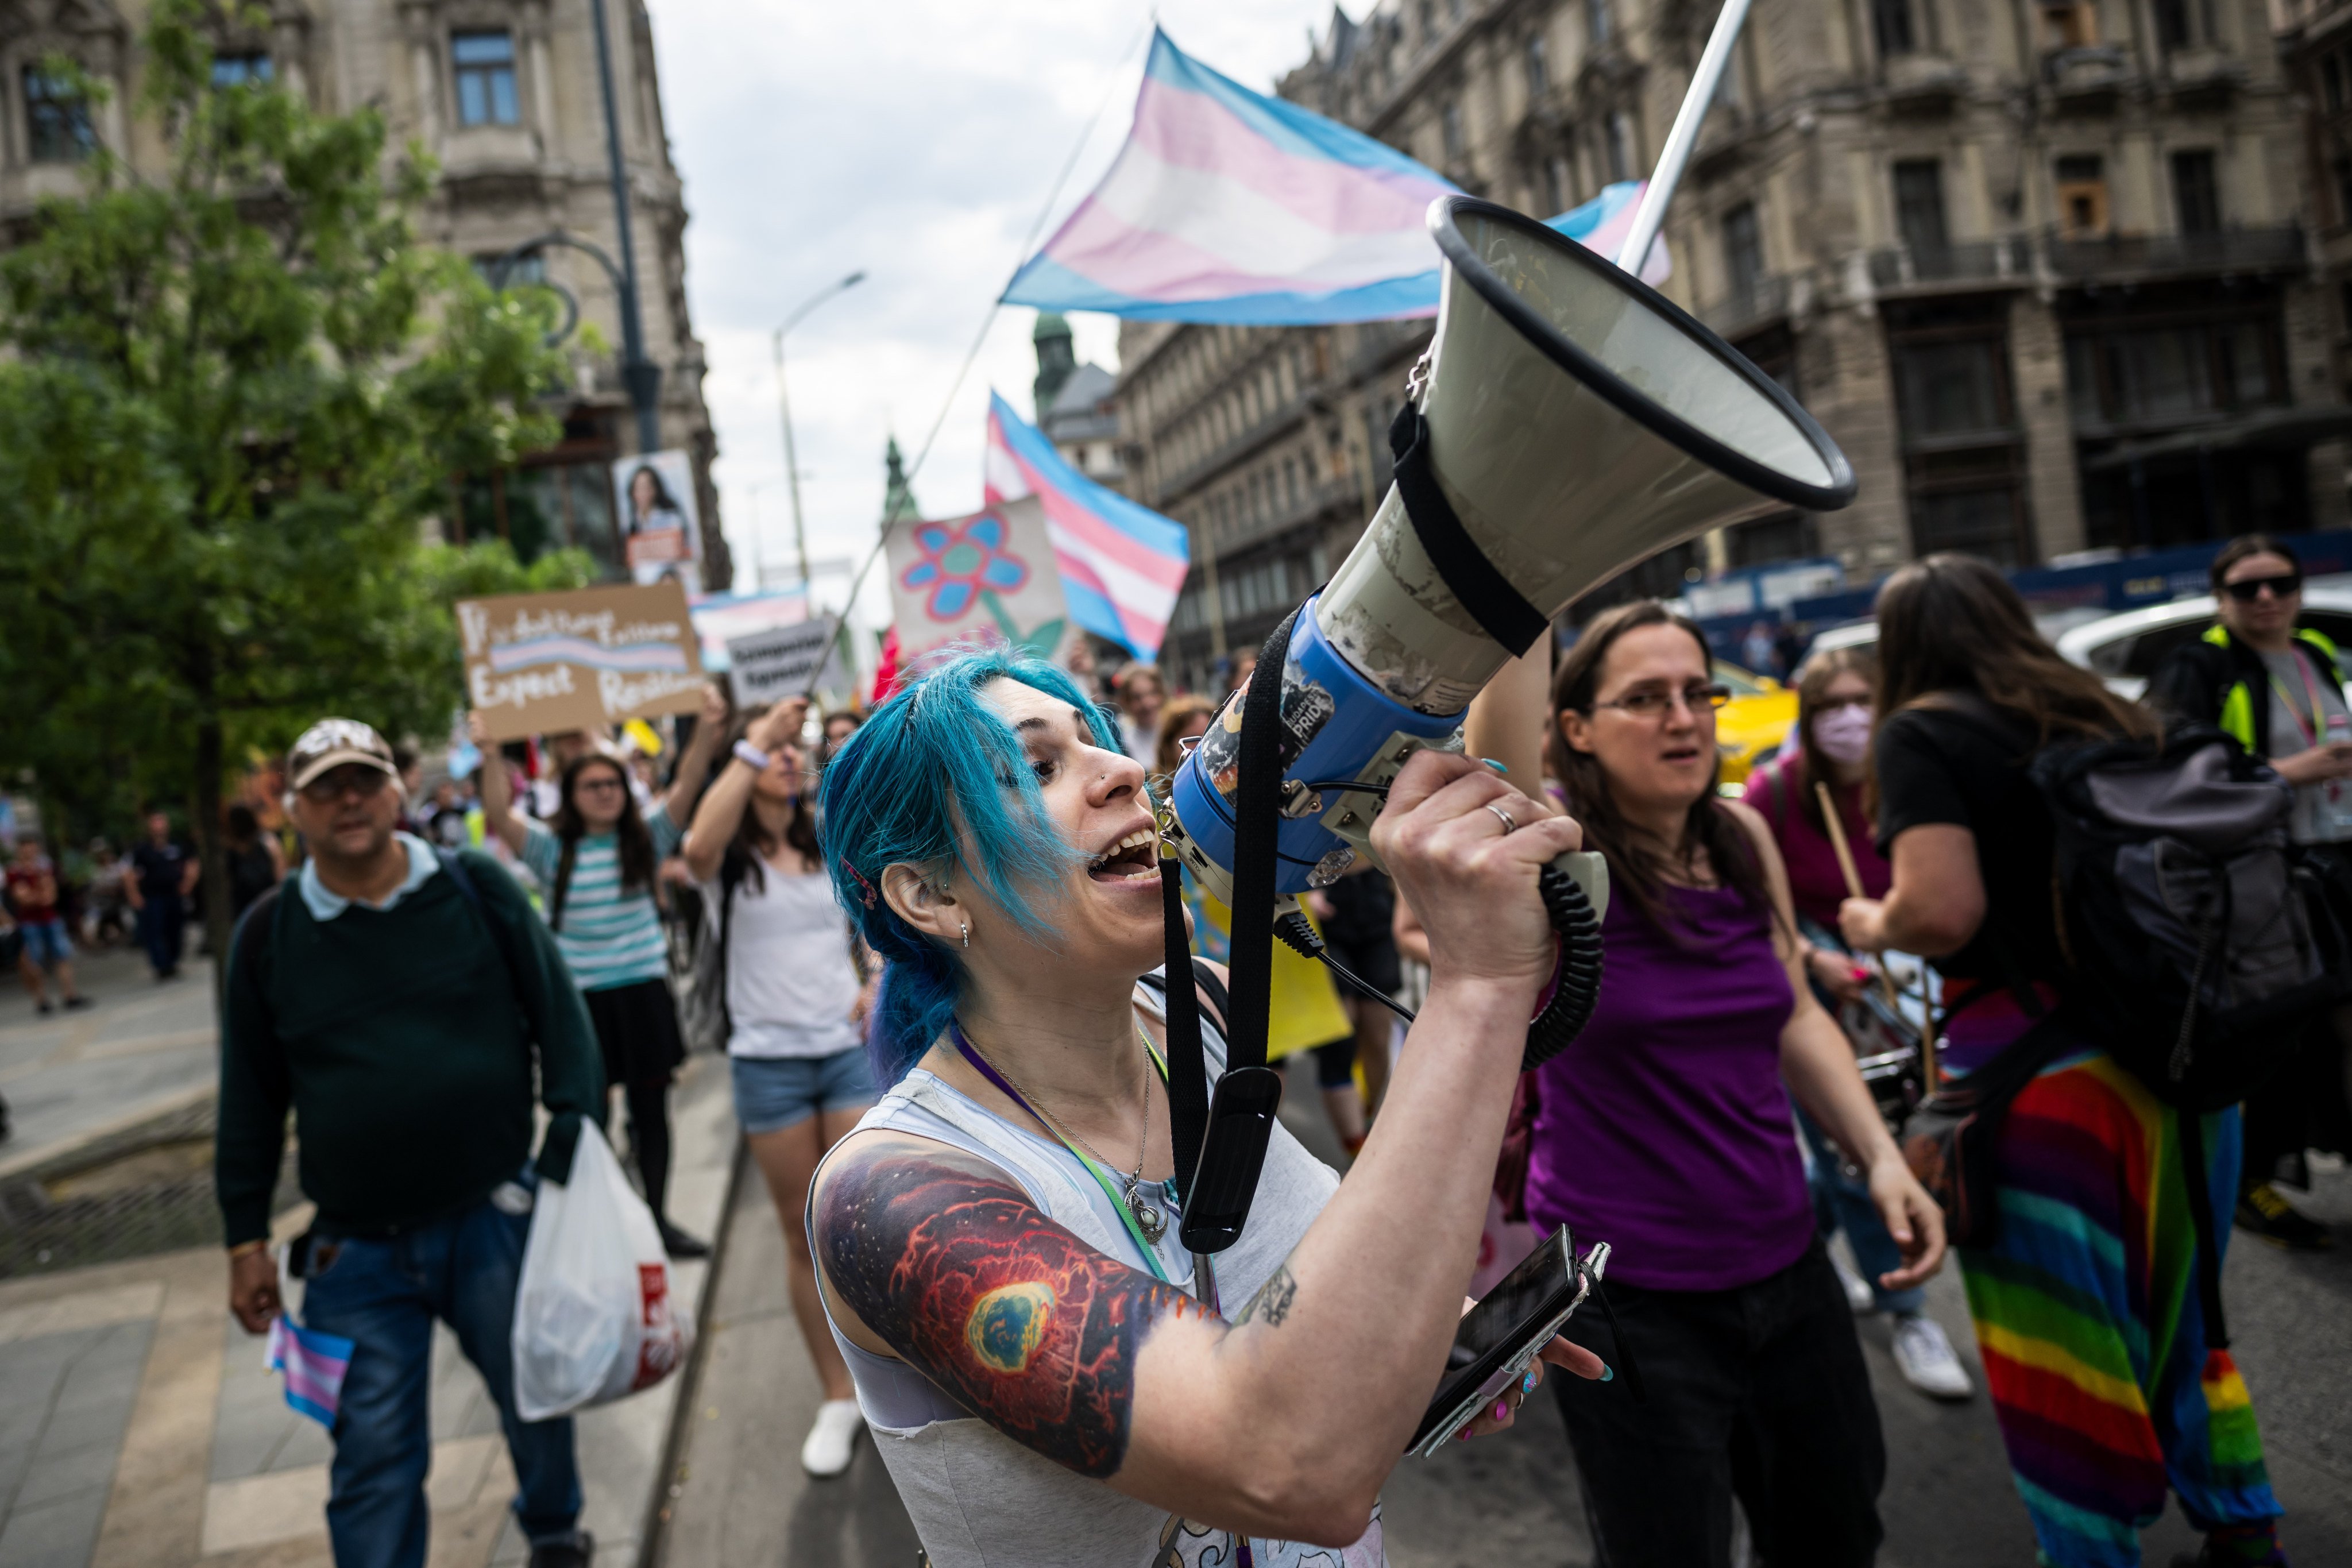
<point x="314" y="1364"/>
<point x="1226" y="205"/>
<point x="1122" y="565"/>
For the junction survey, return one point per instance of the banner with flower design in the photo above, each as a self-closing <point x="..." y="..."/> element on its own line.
<point x="987" y="577"/>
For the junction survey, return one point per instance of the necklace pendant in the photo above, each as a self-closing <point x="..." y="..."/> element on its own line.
<point x="1149" y="1218"/>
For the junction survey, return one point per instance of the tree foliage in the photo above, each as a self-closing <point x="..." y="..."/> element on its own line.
<point x="233" y="388"/>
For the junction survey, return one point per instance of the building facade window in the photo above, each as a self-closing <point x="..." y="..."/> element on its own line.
<point x="2072" y="25"/>
<point x="2195" y="192"/>
<point x="1449" y="123"/>
<point x="2082" y="189"/>
<point x="2331" y="83"/>
<point x="1555" y="180"/>
<point x="2342" y="169"/>
<point x="1891" y="25"/>
<point x="1743" y="251"/>
<point x="1620" y="141"/>
<point x="1963" y="454"/>
<point x="1919" y="206"/>
<point x="2183" y="23"/>
<point x="251" y="68"/>
<point x="484" y="66"/>
<point x="57" y="119"/>
<point x="1600" y="25"/>
<point x="1539" y="68"/>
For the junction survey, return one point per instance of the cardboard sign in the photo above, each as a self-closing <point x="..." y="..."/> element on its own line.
<point x="661" y="525"/>
<point x="771" y="666"/>
<point x="989" y="577"/>
<point x="540" y="664"/>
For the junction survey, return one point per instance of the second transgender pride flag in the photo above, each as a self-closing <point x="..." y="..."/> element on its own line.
<point x="1226" y="205"/>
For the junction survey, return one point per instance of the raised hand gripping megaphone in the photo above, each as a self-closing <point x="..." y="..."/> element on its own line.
<point x="1567" y="422"/>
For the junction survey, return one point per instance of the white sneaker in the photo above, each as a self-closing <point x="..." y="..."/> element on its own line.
<point x="1858" y="1294"/>
<point x="1926" y="1359"/>
<point x="834" y="1436"/>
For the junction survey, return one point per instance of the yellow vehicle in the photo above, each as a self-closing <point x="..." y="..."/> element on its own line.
<point x="1751" y="726"/>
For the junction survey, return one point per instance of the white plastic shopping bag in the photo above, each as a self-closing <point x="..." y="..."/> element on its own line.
<point x="594" y="1319"/>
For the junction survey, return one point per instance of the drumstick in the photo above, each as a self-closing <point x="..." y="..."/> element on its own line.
<point x="1853" y="875"/>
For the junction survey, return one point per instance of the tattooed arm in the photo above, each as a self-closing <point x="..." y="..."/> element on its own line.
<point x="947" y="1264"/>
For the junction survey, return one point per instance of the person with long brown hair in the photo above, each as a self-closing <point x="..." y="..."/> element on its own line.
<point x="793" y="978"/>
<point x="597" y="865"/>
<point x="2084" y="1302"/>
<point x="1663" y="1129"/>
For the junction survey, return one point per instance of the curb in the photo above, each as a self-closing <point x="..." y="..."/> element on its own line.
<point x="653" y="1535"/>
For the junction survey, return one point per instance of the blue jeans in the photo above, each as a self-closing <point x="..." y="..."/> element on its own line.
<point x="163" y="924"/>
<point x="384" y="1295"/>
<point x="1843" y="1203"/>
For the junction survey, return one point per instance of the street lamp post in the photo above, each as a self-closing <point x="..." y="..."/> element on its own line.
<point x="784" y="408"/>
<point x="639" y="374"/>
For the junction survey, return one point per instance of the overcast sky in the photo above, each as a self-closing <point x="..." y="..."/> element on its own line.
<point x="917" y="140"/>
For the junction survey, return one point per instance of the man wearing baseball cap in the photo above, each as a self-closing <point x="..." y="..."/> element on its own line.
<point x="398" y="1001"/>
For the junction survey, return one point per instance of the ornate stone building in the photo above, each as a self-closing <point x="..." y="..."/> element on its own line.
<point x="504" y="95"/>
<point x="2045" y="271"/>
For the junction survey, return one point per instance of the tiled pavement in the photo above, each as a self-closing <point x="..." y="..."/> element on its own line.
<point x="139" y="1428"/>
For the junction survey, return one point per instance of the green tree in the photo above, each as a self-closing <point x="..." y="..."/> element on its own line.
<point x="232" y="389"/>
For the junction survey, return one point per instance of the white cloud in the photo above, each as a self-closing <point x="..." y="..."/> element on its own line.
<point x="917" y="140"/>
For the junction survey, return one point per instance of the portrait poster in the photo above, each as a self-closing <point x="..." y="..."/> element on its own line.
<point x="541" y="664"/>
<point x="660" y="521"/>
<point x="989" y="577"/>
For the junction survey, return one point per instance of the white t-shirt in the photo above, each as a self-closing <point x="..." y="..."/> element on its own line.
<point x="790" y="981"/>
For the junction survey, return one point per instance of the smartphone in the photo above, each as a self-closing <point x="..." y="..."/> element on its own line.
<point x="1499" y="1337"/>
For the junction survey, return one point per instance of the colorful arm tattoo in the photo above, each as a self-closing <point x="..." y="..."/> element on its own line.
<point x="1019" y="1321"/>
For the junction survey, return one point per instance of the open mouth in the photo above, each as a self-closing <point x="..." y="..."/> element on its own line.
<point x="1136" y="855"/>
<point x="1682" y="753"/>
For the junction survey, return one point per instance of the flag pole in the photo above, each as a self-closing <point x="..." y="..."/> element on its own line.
<point x="1651" y="215"/>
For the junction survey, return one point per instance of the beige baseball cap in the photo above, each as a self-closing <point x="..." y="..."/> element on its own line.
<point x="331" y="742"/>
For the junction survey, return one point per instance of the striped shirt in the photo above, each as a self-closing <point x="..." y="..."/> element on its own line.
<point x="608" y="940"/>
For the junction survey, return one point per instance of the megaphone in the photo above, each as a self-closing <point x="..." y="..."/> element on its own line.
<point x="1567" y="422"/>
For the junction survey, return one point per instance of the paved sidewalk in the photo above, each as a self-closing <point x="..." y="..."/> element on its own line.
<point x="70" y="1078"/>
<point x="138" y="1428"/>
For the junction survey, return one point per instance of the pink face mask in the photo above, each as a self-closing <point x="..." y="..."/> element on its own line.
<point x="1842" y="734"/>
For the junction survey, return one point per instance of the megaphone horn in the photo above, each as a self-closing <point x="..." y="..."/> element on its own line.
<point x="1657" y="432"/>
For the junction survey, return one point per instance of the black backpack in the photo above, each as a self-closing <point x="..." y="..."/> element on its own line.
<point x="2200" y="939"/>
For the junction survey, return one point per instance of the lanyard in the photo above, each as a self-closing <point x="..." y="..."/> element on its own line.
<point x="2311" y="732"/>
<point x="1102" y="1180"/>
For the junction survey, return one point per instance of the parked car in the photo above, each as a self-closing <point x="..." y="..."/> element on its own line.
<point x="2054" y="625"/>
<point x="2126" y="648"/>
<point x="1751" y="726"/>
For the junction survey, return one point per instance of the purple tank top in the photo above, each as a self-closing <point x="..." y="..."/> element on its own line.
<point x="1664" y="1129"/>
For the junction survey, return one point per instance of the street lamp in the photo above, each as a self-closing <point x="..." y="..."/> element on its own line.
<point x="784" y="407"/>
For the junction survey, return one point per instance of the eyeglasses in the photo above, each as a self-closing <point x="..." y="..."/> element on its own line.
<point x="1655" y="702"/>
<point x="2246" y="590"/>
<point x="596" y="786"/>
<point x="364" y="782"/>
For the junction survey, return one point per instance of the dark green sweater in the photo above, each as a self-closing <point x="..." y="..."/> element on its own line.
<point x="402" y="1040"/>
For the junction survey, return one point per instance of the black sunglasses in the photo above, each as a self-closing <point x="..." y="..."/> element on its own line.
<point x="2248" y="590"/>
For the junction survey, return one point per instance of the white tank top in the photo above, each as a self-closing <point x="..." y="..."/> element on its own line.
<point x="978" y="1499"/>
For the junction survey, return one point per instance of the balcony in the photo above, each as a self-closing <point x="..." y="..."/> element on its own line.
<point x="2203" y="79"/>
<point x="2120" y="257"/>
<point x="1743" y="311"/>
<point x="1977" y="262"/>
<point x="2088" y="78"/>
<point x="1924" y="83"/>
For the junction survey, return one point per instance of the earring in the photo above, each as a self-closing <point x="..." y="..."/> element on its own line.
<point x="967" y="931"/>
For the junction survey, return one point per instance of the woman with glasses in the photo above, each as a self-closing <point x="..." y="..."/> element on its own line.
<point x="1664" y="1131"/>
<point x="2086" y="1312"/>
<point x="597" y="865"/>
<point x="796" y="1003"/>
<point x="2277" y="689"/>
<point x="1830" y="750"/>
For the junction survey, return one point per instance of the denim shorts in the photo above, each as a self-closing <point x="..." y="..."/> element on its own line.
<point x="773" y="1093"/>
<point x="46" y="942"/>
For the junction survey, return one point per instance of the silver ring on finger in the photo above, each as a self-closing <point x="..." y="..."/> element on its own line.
<point x="1510" y="824"/>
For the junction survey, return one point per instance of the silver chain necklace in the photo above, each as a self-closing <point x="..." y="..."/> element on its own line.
<point x="1149" y="1217"/>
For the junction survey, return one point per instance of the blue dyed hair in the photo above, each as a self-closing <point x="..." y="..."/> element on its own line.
<point x="937" y="778"/>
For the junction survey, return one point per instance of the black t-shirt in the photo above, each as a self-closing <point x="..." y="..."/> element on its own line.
<point x="1969" y="772"/>
<point x="159" y="869"/>
<point x="1363" y="907"/>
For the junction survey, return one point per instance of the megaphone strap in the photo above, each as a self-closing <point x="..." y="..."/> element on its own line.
<point x="1500" y="610"/>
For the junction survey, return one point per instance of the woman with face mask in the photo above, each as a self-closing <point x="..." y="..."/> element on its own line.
<point x="1830" y="748"/>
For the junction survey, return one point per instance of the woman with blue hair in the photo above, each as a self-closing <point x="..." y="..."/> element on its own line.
<point x="998" y="1241"/>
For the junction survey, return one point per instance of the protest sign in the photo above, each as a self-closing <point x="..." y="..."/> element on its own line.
<point x="661" y="525"/>
<point x="771" y="666"/>
<point x="989" y="577"/>
<point x="544" y="663"/>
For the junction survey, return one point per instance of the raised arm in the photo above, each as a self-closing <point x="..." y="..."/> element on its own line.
<point x="694" y="763"/>
<point x="730" y="796"/>
<point x="1286" y="1423"/>
<point x="497" y="788"/>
